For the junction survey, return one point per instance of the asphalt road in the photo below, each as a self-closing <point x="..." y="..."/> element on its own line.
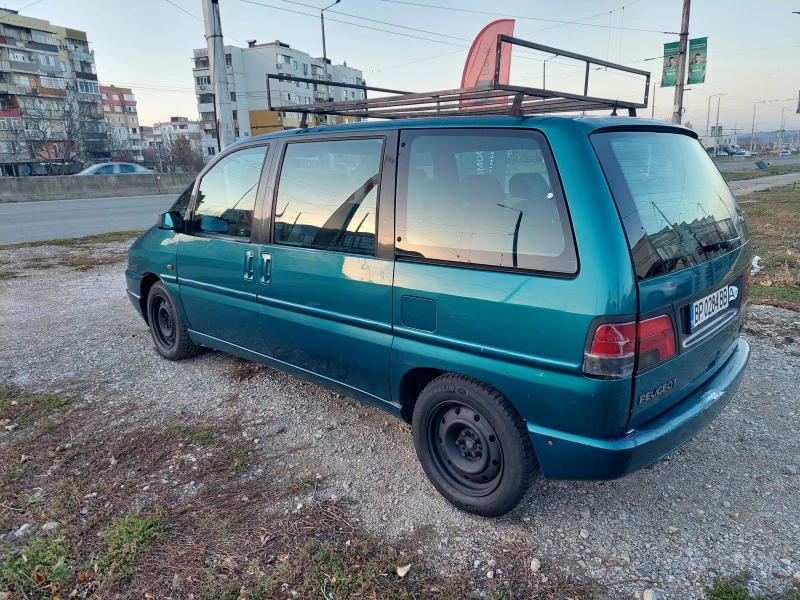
<point x="751" y="163"/>
<point x="35" y="221"/>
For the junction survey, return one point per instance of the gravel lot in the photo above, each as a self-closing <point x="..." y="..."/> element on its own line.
<point x="724" y="503"/>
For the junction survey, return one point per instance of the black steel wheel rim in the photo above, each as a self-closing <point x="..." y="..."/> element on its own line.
<point x="465" y="449"/>
<point x="163" y="322"/>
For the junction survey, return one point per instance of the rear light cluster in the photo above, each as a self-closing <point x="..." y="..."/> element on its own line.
<point x="619" y="348"/>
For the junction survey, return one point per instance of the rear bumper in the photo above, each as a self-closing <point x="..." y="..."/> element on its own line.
<point x="133" y="282"/>
<point x="567" y="456"/>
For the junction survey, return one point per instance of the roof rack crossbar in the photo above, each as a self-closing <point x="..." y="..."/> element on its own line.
<point x="493" y="99"/>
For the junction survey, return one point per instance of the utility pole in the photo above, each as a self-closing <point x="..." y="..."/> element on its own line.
<point x="716" y="139"/>
<point x="680" y="78"/>
<point x="219" y="74"/>
<point x="324" y="50"/>
<point x="653" y="109"/>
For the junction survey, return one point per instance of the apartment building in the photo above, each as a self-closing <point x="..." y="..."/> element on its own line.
<point x="50" y="110"/>
<point x="122" y="120"/>
<point x="247" y="70"/>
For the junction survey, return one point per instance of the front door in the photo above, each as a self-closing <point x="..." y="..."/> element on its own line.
<point x="325" y="296"/>
<point x="217" y="258"/>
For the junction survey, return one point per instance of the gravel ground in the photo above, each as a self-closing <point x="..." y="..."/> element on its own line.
<point x="748" y="186"/>
<point x="724" y="503"/>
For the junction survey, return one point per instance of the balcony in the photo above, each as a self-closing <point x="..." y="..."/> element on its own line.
<point x="206" y="107"/>
<point x="8" y="88"/>
<point x="43" y="47"/>
<point x="82" y="75"/>
<point x="83" y="56"/>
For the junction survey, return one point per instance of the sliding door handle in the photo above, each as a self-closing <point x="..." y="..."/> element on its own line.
<point x="266" y="268"/>
<point x="249" y="264"/>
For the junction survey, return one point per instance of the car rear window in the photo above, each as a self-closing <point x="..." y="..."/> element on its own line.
<point x="675" y="206"/>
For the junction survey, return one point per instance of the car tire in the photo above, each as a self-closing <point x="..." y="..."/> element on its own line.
<point x="170" y="334"/>
<point x="473" y="445"/>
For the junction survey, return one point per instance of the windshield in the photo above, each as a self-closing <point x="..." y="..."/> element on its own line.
<point x="675" y="206"/>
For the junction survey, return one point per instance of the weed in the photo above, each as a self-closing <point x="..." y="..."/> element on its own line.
<point x="125" y="539"/>
<point x="41" y="567"/>
<point x="198" y="435"/>
<point x="245" y="369"/>
<point x="735" y="588"/>
<point x="84" y="262"/>
<point x="757" y="173"/>
<point x="8" y="274"/>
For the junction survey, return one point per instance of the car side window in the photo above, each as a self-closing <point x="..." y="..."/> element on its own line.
<point x="106" y="170"/>
<point x="182" y="203"/>
<point x="482" y="197"/>
<point x="327" y="195"/>
<point x="226" y="196"/>
<point x="127" y="169"/>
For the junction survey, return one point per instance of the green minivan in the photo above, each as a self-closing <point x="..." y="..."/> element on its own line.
<point x="538" y="296"/>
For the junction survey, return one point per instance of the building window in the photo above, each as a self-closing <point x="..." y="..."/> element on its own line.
<point x="133" y="129"/>
<point x="201" y="63"/>
<point x="117" y="109"/>
<point x="22" y="80"/>
<point x="104" y="96"/>
<point x="228" y="60"/>
<point x="235" y="114"/>
<point x="207" y="116"/>
<point x="116" y="96"/>
<point x="305" y="69"/>
<point x="46" y="60"/>
<point x="87" y="87"/>
<point x="106" y="108"/>
<point x="233" y="96"/>
<point x="211" y="151"/>
<point x="205" y="98"/>
<point x="129" y="97"/>
<point x="119" y="119"/>
<point x="204" y="80"/>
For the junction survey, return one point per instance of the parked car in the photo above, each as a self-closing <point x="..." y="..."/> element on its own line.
<point x="116" y="168"/>
<point x="742" y="153"/>
<point x="475" y="278"/>
<point x="784" y="153"/>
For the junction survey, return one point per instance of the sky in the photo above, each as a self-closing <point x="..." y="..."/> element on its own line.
<point x="421" y="45"/>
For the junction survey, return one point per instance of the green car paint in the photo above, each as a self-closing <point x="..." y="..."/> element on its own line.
<point x="378" y="327"/>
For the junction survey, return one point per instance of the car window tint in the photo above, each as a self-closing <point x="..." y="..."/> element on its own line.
<point x="327" y="195"/>
<point x="127" y="169"/>
<point x="105" y="170"/>
<point x="226" y="196"/>
<point x="482" y="197"/>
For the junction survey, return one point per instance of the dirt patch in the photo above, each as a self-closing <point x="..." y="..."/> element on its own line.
<point x="189" y="510"/>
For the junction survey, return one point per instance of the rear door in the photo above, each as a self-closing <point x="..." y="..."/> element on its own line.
<point x="690" y="251"/>
<point x="325" y="285"/>
<point x="216" y="256"/>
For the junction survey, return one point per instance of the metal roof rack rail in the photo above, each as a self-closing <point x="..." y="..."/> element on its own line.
<point x="494" y="98"/>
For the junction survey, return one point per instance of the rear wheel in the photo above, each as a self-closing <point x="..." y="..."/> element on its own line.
<point x="473" y="445"/>
<point x="170" y="335"/>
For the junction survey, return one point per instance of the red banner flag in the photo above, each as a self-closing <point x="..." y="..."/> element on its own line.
<point x="482" y="58"/>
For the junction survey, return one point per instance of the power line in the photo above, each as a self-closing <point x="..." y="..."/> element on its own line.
<point x="495" y="14"/>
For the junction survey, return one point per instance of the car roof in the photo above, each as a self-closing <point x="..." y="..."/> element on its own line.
<point x="589" y="124"/>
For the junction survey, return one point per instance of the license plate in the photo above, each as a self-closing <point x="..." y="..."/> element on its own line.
<point x="708" y="307"/>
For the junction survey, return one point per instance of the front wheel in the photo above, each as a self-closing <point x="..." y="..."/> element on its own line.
<point x="170" y="334"/>
<point x="473" y="445"/>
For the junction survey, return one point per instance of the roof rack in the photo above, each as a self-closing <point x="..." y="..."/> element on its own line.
<point x="493" y="98"/>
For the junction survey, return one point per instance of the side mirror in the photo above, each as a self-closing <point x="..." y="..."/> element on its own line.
<point x="213" y="224"/>
<point x="170" y="221"/>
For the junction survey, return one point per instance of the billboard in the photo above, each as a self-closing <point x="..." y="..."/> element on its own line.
<point x="482" y="58"/>
<point x="670" y="73"/>
<point x="698" y="53"/>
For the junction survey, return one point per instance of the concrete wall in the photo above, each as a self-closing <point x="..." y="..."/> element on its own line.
<point x="66" y="187"/>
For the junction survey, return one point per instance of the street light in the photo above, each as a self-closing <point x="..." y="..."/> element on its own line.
<point x="324" y="51"/>
<point x="708" y="112"/>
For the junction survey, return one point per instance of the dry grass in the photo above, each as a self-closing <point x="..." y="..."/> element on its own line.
<point x="757" y="173"/>
<point x="100" y="238"/>
<point x="773" y="217"/>
<point x="178" y="511"/>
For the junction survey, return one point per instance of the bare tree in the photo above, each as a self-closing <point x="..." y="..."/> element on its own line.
<point x="183" y="153"/>
<point x="64" y="133"/>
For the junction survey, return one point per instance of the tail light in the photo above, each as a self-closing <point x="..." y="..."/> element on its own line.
<point x="617" y="349"/>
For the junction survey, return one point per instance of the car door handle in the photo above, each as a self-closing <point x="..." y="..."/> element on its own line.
<point x="266" y="267"/>
<point x="249" y="264"/>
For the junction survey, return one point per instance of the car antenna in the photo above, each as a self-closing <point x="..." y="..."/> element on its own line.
<point x="614" y="112"/>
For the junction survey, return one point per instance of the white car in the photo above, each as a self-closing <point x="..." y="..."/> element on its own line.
<point x="120" y="168"/>
<point x="743" y="153"/>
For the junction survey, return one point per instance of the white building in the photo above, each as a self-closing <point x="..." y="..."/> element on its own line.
<point x="247" y="70"/>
